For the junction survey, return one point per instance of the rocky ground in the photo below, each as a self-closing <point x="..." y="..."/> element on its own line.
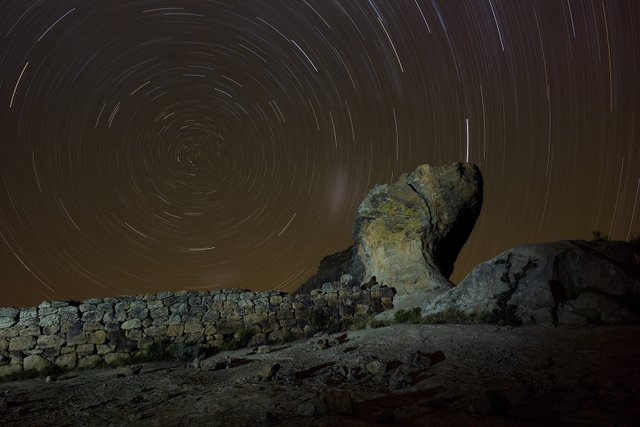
<point x="402" y="374"/>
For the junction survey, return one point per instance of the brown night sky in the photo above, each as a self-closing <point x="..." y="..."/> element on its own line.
<point x="158" y="145"/>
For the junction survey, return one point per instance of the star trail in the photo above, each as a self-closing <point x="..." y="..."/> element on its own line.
<point x="162" y="145"/>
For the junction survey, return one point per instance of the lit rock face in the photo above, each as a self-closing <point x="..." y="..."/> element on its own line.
<point x="408" y="234"/>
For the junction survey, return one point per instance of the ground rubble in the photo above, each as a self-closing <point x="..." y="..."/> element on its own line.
<point x="401" y="374"/>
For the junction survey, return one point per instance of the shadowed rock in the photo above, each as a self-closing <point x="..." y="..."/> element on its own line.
<point x="566" y="282"/>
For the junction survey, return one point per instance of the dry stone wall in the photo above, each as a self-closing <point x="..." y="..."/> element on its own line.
<point x="101" y="331"/>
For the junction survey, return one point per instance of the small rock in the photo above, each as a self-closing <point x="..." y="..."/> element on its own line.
<point x="264" y="349"/>
<point x="322" y="344"/>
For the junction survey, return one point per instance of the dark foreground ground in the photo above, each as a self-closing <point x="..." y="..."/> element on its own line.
<point x="413" y="375"/>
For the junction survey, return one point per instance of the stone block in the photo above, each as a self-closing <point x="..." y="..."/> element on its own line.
<point x="9" y="370"/>
<point x="131" y="324"/>
<point x="50" y="341"/>
<point x="22" y="343"/>
<point x="193" y="328"/>
<point x="175" y="330"/>
<point x="86" y="307"/>
<point x="92" y="316"/>
<point x="67" y="361"/>
<point x="85" y="349"/>
<point x="50" y="330"/>
<point x="92" y="326"/>
<point x="90" y="362"/>
<point x="30" y="331"/>
<point x="116" y="358"/>
<point x="103" y="349"/>
<point x="155" y="331"/>
<point x="97" y="337"/>
<point x="75" y="335"/>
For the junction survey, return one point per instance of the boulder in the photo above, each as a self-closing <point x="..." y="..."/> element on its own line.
<point x="35" y="362"/>
<point x="408" y="234"/>
<point x="567" y="281"/>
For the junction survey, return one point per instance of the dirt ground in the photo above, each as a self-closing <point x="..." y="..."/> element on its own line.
<point x="412" y="375"/>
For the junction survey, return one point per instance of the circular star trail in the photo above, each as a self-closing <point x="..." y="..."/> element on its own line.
<point x="151" y="145"/>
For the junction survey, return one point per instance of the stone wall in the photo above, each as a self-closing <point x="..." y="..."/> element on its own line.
<point x="101" y="331"/>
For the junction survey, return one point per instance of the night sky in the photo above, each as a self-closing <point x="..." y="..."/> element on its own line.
<point x="165" y="145"/>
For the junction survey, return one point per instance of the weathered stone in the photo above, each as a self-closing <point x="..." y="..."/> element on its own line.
<point x="518" y="284"/>
<point x="86" y="307"/>
<point x="116" y="358"/>
<point x="134" y="334"/>
<point x="85" y="349"/>
<point x="22" y="343"/>
<point x="28" y="314"/>
<point x="9" y="312"/>
<point x="9" y="370"/>
<point x="211" y="316"/>
<point x="105" y="307"/>
<point x="131" y="324"/>
<point x="50" y="353"/>
<point x="138" y="313"/>
<point x="92" y="326"/>
<point x="50" y="341"/>
<point x="229" y="327"/>
<point x="35" y="363"/>
<point x="175" y="319"/>
<point x="49" y="320"/>
<point x="66" y="361"/>
<point x="408" y="234"/>
<point x="75" y="335"/>
<point x="32" y="331"/>
<point x="175" y="330"/>
<point x="103" y="349"/>
<point x="179" y="308"/>
<point x="97" y="337"/>
<point x="159" y="312"/>
<point x="91" y="316"/>
<point x="193" y="328"/>
<point x="156" y="331"/>
<point x="7" y="322"/>
<point x="90" y="362"/>
<point x="112" y="326"/>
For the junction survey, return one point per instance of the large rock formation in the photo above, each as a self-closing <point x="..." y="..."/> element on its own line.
<point x="549" y="283"/>
<point x="408" y="234"/>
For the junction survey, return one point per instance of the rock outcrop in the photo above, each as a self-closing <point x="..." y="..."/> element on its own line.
<point x="408" y="234"/>
<point x="564" y="282"/>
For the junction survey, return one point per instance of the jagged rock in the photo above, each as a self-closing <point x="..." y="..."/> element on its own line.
<point x="574" y="282"/>
<point x="330" y="270"/>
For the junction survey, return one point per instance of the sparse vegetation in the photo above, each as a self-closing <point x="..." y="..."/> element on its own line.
<point x="450" y="315"/>
<point x="408" y="316"/>
<point x="186" y="352"/>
